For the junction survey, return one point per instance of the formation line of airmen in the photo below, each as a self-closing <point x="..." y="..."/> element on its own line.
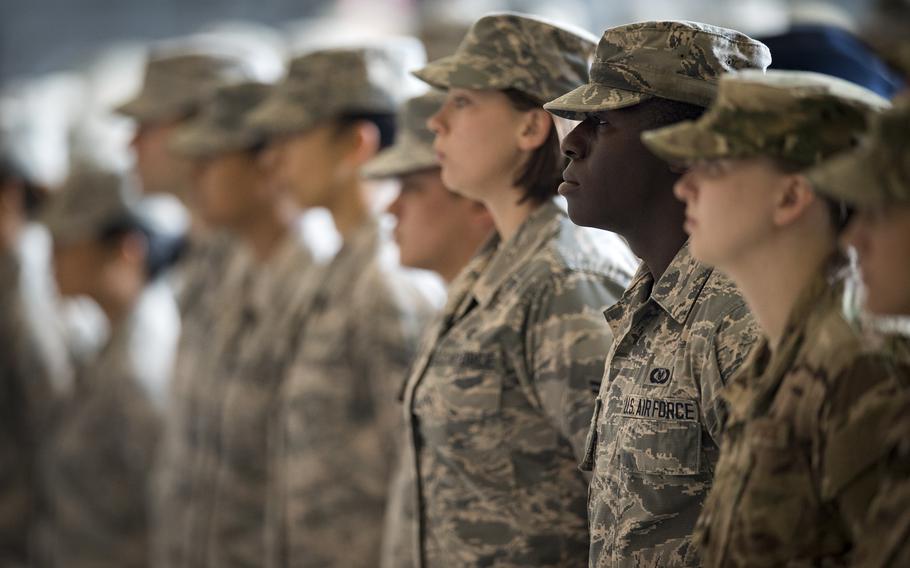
<point x="655" y="369"/>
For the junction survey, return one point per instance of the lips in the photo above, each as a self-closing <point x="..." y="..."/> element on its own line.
<point x="569" y="185"/>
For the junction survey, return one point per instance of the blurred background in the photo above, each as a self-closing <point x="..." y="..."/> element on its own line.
<point x="65" y="63"/>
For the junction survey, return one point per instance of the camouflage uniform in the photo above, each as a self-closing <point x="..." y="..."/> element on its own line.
<point x="213" y="471"/>
<point x="26" y="393"/>
<point x="411" y="152"/>
<point x="335" y="430"/>
<point x="657" y="423"/>
<point x="95" y="464"/>
<point x="803" y="447"/>
<point x="498" y="398"/>
<point x="876" y="176"/>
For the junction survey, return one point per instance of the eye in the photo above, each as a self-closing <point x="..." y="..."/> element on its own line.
<point x="460" y="101"/>
<point x="598" y="121"/>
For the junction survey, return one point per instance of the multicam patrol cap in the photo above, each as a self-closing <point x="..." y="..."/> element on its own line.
<point x="680" y="61"/>
<point x="876" y="174"/>
<point x="797" y="116"/>
<point x="176" y="84"/>
<point x="330" y="83"/>
<point x="92" y="197"/>
<point x="503" y="51"/>
<point x="413" y="147"/>
<point x="221" y="126"/>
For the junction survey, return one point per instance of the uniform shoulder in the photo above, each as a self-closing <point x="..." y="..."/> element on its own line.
<point x="579" y="249"/>
<point x="719" y="298"/>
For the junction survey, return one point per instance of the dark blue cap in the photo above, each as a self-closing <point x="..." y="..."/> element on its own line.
<point x="833" y="51"/>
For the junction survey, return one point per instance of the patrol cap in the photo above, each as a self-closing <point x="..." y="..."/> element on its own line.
<point x="176" y="84"/>
<point x="798" y="116"/>
<point x="877" y="173"/>
<point x="413" y="147"/>
<point x="542" y="59"/>
<point x="221" y="126"/>
<point x="92" y="198"/>
<point x="329" y="83"/>
<point x="680" y="61"/>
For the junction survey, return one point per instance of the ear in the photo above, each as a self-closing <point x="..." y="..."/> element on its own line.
<point x="133" y="248"/>
<point x="363" y="143"/>
<point x="533" y="129"/>
<point x="792" y="199"/>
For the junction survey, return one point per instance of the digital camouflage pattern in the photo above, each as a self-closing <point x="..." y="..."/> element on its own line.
<point x="498" y="400"/>
<point x="796" y="116"/>
<point x="221" y="126"/>
<point x="886" y="542"/>
<point x="327" y="84"/>
<point x="175" y="84"/>
<point x="211" y="490"/>
<point x="502" y="51"/>
<point x="337" y="421"/>
<point x="413" y="147"/>
<point x="680" y="61"/>
<point x="95" y="467"/>
<point x="659" y="417"/>
<point x="878" y="173"/>
<point x="806" y="445"/>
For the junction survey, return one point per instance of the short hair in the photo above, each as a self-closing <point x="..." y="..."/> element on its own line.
<point x="659" y="112"/>
<point x="542" y="173"/>
<point x="163" y="249"/>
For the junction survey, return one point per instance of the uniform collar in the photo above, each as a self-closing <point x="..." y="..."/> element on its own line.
<point x="675" y="292"/>
<point x="753" y="388"/>
<point x="504" y="258"/>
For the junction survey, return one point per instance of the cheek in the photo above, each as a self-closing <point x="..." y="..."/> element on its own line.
<point x="476" y="150"/>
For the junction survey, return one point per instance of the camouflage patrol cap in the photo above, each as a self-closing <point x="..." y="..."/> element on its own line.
<point x="877" y="173"/>
<point x="175" y="85"/>
<point x="330" y="83"/>
<point x="797" y="116"/>
<point x="413" y="147"/>
<point x="92" y="198"/>
<point x="680" y="61"/>
<point x="512" y="51"/>
<point x="221" y="126"/>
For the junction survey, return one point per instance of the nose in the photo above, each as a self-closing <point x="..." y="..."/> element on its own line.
<point x="856" y="234"/>
<point x="138" y="135"/>
<point x="395" y="206"/>
<point x="575" y="145"/>
<point x="686" y="186"/>
<point x="435" y="123"/>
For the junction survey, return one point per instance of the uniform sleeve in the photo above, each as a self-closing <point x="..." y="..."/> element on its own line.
<point x="733" y="340"/>
<point x="566" y="345"/>
<point x="858" y="445"/>
<point x="385" y="345"/>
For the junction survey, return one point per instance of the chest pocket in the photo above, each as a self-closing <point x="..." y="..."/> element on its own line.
<point x="472" y="387"/>
<point x="658" y="436"/>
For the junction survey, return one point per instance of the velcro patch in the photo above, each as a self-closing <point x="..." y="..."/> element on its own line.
<point x="661" y="408"/>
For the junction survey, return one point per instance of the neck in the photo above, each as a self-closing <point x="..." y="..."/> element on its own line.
<point x="772" y="294"/>
<point x="265" y="233"/>
<point x="508" y="215"/>
<point x="349" y="208"/>
<point x="657" y="239"/>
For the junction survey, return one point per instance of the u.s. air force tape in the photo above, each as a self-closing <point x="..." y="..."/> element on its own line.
<point x="662" y="408"/>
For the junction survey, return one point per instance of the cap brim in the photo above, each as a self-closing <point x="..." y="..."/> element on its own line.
<point x="593" y="97"/>
<point x="144" y="108"/>
<point x="846" y="178"/>
<point x="686" y="142"/>
<point x="277" y="116"/>
<point x="401" y="160"/>
<point x="463" y="71"/>
<point x="201" y="142"/>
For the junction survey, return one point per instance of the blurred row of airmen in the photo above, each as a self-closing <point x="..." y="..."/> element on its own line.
<point x="723" y="406"/>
